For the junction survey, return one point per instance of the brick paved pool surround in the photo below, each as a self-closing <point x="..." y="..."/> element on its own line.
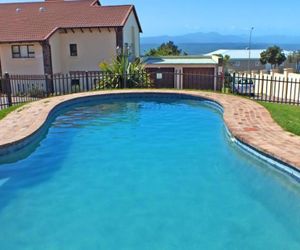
<point x="245" y="122"/>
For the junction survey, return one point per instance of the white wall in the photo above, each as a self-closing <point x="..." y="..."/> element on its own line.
<point x="131" y="34"/>
<point x="21" y="66"/>
<point x="92" y="47"/>
<point x="55" y="43"/>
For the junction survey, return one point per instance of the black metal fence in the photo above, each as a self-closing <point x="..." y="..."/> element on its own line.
<point x="266" y="87"/>
<point x="17" y="89"/>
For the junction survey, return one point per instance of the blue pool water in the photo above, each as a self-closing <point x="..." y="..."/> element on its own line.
<point x="153" y="174"/>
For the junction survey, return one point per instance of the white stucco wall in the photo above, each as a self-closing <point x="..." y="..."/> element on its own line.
<point x="21" y="66"/>
<point x="92" y="47"/>
<point x="132" y="34"/>
<point x="55" y="43"/>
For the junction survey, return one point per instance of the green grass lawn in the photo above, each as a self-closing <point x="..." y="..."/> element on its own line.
<point x="287" y="116"/>
<point x="5" y="112"/>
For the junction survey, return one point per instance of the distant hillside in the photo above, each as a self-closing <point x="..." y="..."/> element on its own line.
<point x="214" y="37"/>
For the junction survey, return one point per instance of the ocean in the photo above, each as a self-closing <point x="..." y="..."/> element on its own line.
<point x="204" y="48"/>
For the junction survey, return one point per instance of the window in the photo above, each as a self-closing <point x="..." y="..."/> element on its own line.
<point x="236" y="64"/>
<point x="22" y="51"/>
<point x="73" y="49"/>
<point x="159" y="76"/>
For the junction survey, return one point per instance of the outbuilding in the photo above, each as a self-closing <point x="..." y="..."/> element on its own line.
<point x="185" y="72"/>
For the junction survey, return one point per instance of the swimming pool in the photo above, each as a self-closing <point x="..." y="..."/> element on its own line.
<point x="151" y="173"/>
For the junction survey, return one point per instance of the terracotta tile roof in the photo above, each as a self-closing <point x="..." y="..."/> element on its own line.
<point x="37" y="21"/>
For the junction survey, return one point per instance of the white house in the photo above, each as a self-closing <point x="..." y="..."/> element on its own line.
<point x="58" y="36"/>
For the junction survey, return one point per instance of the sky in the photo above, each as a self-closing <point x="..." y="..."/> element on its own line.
<point x="176" y="17"/>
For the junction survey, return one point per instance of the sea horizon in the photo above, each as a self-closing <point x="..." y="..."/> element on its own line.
<point x="204" y="48"/>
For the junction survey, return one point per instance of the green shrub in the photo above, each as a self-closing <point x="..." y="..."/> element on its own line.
<point x="114" y="73"/>
<point x="36" y="92"/>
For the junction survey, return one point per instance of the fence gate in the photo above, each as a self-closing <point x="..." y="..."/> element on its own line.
<point x="199" y="78"/>
<point x="162" y="77"/>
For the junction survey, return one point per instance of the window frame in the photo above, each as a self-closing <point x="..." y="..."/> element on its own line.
<point x="18" y="55"/>
<point x="71" y="47"/>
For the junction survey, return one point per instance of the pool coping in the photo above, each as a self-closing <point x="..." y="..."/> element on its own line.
<point x="249" y="123"/>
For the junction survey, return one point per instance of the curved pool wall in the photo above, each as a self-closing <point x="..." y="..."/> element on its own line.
<point x="27" y="145"/>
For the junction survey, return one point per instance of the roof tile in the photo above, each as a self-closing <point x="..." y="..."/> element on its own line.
<point x="28" y="22"/>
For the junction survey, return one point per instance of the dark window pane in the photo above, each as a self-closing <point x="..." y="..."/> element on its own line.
<point x="24" y="51"/>
<point x="30" y="49"/>
<point x="16" y="55"/>
<point x="31" y="53"/>
<point x="73" y="49"/>
<point x="15" y="49"/>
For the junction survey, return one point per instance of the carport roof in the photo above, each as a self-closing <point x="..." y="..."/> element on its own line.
<point x="176" y="60"/>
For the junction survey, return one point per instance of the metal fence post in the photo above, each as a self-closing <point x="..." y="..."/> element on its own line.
<point x="221" y="81"/>
<point x="87" y="80"/>
<point x="125" y="79"/>
<point x="49" y="84"/>
<point x="262" y="88"/>
<point x="233" y="83"/>
<point x="286" y="83"/>
<point x="7" y="89"/>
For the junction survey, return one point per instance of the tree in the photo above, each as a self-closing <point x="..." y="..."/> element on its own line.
<point x="114" y="73"/>
<point x="295" y="58"/>
<point x="225" y="61"/>
<point x="227" y="76"/>
<point x="166" y="49"/>
<point x="273" y="55"/>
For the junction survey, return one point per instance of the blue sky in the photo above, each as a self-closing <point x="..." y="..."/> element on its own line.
<point x="175" y="17"/>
